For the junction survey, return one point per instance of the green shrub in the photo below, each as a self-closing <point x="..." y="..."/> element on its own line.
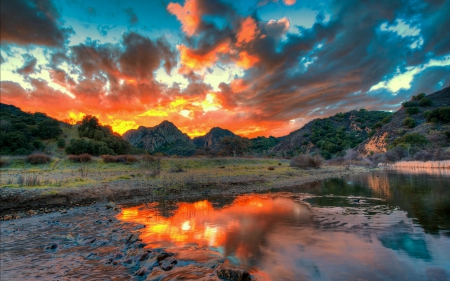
<point x="413" y="139"/>
<point x="412" y="110"/>
<point x="409" y="122"/>
<point x="410" y="103"/>
<point x="37" y="159"/>
<point x="425" y="102"/>
<point x="61" y="143"/>
<point x="441" y="114"/>
<point x="419" y="96"/>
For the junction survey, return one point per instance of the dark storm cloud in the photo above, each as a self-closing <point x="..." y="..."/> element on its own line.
<point x="131" y="15"/>
<point x="142" y="56"/>
<point x="355" y="55"/>
<point x="25" y="22"/>
<point x="29" y="66"/>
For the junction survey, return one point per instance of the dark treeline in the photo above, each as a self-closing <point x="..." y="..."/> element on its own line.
<point x="22" y="133"/>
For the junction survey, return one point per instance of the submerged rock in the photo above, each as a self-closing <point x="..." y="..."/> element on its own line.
<point x="110" y="205"/>
<point x="163" y="255"/>
<point x="233" y="274"/>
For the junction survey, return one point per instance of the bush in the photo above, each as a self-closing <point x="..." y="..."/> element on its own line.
<point x="409" y="122"/>
<point x="441" y="114"/>
<point x="126" y="159"/>
<point x="61" y="143"/>
<point x="425" y="102"/>
<point x="82" y="158"/>
<point x="419" y="96"/>
<point x="447" y="133"/>
<point x="412" y="110"/>
<point x="38" y="159"/>
<point x="410" y="103"/>
<point x="413" y="139"/>
<point x="109" y="158"/>
<point x="423" y="156"/>
<point x="270" y="168"/>
<point x="3" y="163"/>
<point x="305" y="161"/>
<point x="153" y="164"/>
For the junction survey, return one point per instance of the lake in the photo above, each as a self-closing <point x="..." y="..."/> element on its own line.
<point x="383" y="225"/>
<point x="389" y="225"/>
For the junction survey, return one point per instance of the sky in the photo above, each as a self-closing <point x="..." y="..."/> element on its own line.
<point x="255" y="67"/>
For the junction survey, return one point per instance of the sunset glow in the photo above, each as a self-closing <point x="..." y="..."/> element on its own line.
<point x="248" y="66"/>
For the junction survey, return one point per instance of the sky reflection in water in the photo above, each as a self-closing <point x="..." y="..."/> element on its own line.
<point x="399" y="229"/>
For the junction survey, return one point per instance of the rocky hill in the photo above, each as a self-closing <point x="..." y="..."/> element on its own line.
<point x="411" y="119"/>
<point x="213" y="138"/>
<point x="333" y="135"/>
<point x="155" y="138"/>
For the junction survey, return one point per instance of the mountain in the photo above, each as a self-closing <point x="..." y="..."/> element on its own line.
<point x="213" y="138"/>
<point x="161" y="138"/>
<point x="333" y="135"/>
<point x="410" y="122"/>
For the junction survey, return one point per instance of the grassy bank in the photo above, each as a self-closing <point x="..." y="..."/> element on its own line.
<point x="64" y="183"/>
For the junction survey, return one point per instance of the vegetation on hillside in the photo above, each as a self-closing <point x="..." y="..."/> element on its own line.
<point x="332" y="137"/>
<point x="261" y="145"/>
<point x="96" y="139"/>
<point x="22" y="133"/>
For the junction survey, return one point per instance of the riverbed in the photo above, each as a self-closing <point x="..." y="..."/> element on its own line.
<point x="383" y="225"/>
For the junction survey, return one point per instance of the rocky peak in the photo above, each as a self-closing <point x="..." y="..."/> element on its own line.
<point x="151" y="138"/>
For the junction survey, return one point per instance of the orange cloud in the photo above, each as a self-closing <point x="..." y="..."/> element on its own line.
<point x="289" y="2"/>
<point x="188" y="15"/>
<point x="247" y="33"/>
<point x="246" y="61"/>
<point x="191" y="60"/>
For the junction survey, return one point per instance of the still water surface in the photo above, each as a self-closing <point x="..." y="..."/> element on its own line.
<point x="389" y="225"/>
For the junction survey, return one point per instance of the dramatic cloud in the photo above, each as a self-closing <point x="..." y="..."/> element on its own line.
<point x="256" y="70"/>
<point x="29" y="66"/>
<point x="36" y="22"/>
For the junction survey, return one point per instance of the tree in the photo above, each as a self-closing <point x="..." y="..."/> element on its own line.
<point x="235" y="145"/>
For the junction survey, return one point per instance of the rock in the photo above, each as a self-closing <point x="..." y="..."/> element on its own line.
<point x="131" y="239"/>
<point x="141" y="271"/>
<point x="31" y="212"/>
<point x="69" y="237"/>
<point x="52" y="247"/>
<point x="110" y="205"/>
<point x="233" y="274"/>
<point x="63" y="211"/>
<point x="163" y="255"/>
<point x="7" y="217"/>
<point x="144" y="256"/>
<point x="168" y="263"/>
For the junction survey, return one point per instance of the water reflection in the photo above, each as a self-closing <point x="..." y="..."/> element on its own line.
<point x="237" y="231"/>
<point x="379" y="226"/>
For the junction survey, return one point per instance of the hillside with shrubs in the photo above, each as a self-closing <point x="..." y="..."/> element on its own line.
<point x="332" y="136"/>
<point x="420" y="127"/>
<point x="21" y="132"/>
